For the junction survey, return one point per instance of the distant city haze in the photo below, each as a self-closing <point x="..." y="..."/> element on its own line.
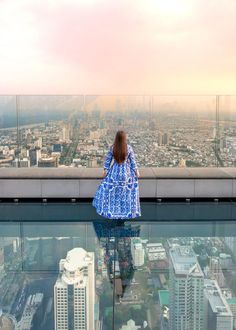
<point x="77" y="131"/>
<point x="117" y="47"/>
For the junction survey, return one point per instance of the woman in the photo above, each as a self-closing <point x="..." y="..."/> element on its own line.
<point x="117" y="197"/>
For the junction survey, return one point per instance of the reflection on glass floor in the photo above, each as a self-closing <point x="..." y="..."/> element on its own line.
<point x="119" y="275"/>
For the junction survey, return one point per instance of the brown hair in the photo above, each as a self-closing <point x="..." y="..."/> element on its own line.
<point x="120" y="147"/>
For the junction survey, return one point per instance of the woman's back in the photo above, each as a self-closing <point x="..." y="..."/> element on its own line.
<point x="117" y="196"/>
<point x="126" y="168"/>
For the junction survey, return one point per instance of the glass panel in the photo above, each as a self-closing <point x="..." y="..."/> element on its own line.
<point x="45" y="245"/>
<point x="27" y="300"/>
<point x="10" y="248"/>
<point x="11" y="258"/>
<point x="74" y="253"/>
<point x="8" y="131"/>
<point x="226" y="142"/>
<point x="182" y="266"/>
<point x="104" y="116"/>
<point x="183" y="131"/>
<point x="142" y="270"/>
<point x="48" y="126"/>
<point x="76" y="131"/>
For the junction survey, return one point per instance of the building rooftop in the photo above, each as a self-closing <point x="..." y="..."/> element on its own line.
<point x="216" y="299"/>
<point x="184" y="261"/>
<point x="76" y="259"/>
<point x="163" y="297"/>
<point x="231" y="301"/>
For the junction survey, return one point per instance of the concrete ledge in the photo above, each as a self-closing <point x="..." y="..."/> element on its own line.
<point x="83" y="182"/>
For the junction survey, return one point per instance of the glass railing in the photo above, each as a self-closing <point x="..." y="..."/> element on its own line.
<point x="76" y="131"/>
<point x="62" y="267"/>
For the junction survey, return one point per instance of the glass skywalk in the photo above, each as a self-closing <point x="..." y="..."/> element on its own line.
<point x="62" y="267"/>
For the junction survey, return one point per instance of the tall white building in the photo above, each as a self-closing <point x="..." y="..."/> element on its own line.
<point x="39" y="143"/>
<point x="217" y="310"/>
<point x="65" y="133"/>
<point x="186" y="290"/>
<point x="74" y="292"/>
<point x="137" y="252"/>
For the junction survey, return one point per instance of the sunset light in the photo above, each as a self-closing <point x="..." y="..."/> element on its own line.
<point x="118" y="47"/>
<point x="173" y="8"/>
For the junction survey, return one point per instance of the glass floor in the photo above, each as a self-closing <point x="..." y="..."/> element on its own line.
<point x="64" y="267"/>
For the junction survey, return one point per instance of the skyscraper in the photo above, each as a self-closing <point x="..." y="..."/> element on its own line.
<point x="218" y="313"/>
<point x="215" y="271"/>
<point x="137" y="252"/>
<point x="186" y="290"/>
<point x="34" y="155"/>
<point x="165" y="138"/>
<point x="65" y="133"/>
<point x="74" y="292"/>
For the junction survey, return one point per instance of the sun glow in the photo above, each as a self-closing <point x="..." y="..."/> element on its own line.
<point x="173" y="8"/>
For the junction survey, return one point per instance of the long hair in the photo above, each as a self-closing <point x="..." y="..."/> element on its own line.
<point x="120" y="147"/>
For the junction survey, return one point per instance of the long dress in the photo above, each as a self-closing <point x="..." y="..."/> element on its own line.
<point x="117" y="196"/>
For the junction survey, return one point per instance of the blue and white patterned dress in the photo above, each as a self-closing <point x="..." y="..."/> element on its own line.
<point x="117" y="196"/>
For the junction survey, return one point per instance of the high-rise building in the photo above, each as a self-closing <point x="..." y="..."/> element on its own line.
<point x="34" y="155"/>
<point x="74" y="292"/>
<point x="159" y="138"/>
<point x="165" y="139"/>
<point x="32" y="304"/>
<point x="29" y="138"/>
<point x="215" y="271"/>
<point x="137" y="252"/>
<point x="232" y="306"/>
<point x="185" y="290"/>
<point x="39" y="143"/>
<point x="217" y="311"/>
<point x="65" y="133"/>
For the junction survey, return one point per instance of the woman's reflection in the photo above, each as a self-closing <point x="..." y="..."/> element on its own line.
<point x="116" y="238"/>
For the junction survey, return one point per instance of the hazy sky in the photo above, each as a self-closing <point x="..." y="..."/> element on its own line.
<point x="118" y="46"/>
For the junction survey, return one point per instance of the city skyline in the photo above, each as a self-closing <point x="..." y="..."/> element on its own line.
<point x="80" y="138"/>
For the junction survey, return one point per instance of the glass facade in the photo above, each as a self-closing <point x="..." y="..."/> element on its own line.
<point x="76" y="131"/>
<point x="173" y="268"/>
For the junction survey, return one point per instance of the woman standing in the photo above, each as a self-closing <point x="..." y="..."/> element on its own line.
<point x="117" y="197"/>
